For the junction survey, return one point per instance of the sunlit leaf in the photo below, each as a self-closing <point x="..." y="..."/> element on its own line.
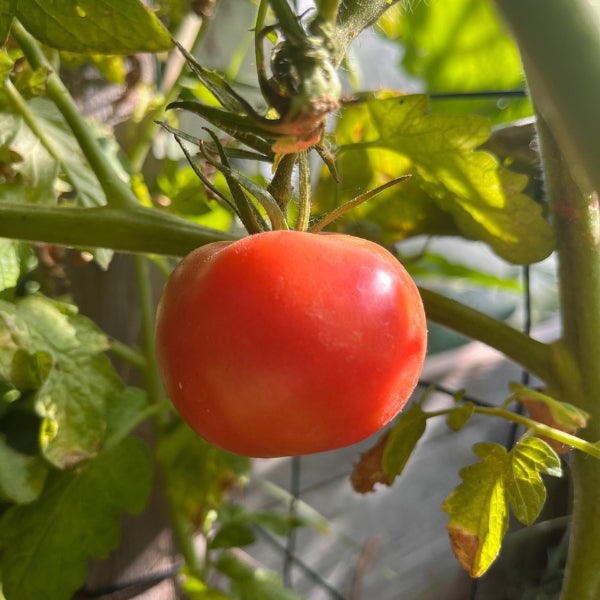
<point x="16" y="259"/>
<point x="478" y="510"/>
<point x="75" y="519"/>
<point x="454" y="187"/>
<point x="526" y="490"/>
<point x="478" y="507"/>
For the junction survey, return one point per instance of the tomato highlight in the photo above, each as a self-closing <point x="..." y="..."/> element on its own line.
<point x="287" y="343"/>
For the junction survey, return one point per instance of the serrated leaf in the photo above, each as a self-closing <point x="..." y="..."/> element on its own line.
<point x="478" y="510"/>
<point x="72" y="397"/>
<point x="454" y="188"/>
<point x="22" y="477"/>
<point x="478" y="507"/>
<point x="198" y="474"/>
<point x="458" y="417"/>
<point x="251" y="583"/>
<point x="92" y="26"/>
<point x="75" y="519"/>
<point x="526" y="490"/>
<point x="403" y="438"/>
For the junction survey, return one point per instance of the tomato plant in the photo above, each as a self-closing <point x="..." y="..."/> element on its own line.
<point x="288" y="343"/>
<point x="269" y="346"/>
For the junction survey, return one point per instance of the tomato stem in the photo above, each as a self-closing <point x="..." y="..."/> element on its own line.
<point x="281" y="187"/>
<point x="535" y="356"/>
<point x="304" y="193"/>
<point x="592" y="449"/>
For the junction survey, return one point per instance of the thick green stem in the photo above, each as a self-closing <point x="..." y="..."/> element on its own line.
<point x="140" y="229"/>
<point x="118" y="193"/>
<point x="577" y="226"/>
<point x="182" y="528"/>
<point x="559" y="42"/>
<point x="536" y="357"/>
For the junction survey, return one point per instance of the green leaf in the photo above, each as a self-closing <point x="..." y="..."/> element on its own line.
<point x="402" y="440"/>
<point x="458" y="417"/>
<point x="16" y="259"/>
<point x="526" y="490"/>
<point x="126" y="409"/>
<point x="249" y="583"/>
<point x="478" y="509"/>
<point x="7" y="12"/>
<point x="31" y="173"/>
<point x="22" y="477"/>
<point x="195" y="589"/>
<point x="75" y="519"/>
<point x="197" y="473"/>
<point x="90" y="26"/>
<point x="72" y="397"/>
<point x="454" y="187"/>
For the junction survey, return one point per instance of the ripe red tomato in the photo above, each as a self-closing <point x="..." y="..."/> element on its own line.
<point x="288" y="343"/>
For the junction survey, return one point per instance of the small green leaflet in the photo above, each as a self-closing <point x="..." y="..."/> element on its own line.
<point x="75" y="519"/>
<point x="478" y="507"/>
<point x="454" y="188"/>
<point x="49" y="349"/>
<point x="402" y="440"/>
<point x="94" y="26"/>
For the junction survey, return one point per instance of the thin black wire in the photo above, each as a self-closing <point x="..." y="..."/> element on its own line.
<point x="519" y="93"/>
<point x="318" y="579"/>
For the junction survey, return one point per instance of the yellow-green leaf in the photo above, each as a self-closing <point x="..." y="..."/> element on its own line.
<point x="402" y="440"/>
<point x="478" y="510"/>
<point x="526" y="490"/>
<point x="455" y="188"/>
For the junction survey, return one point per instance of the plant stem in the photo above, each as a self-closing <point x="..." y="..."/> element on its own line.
<point x="304" y="192"/>
<point x="140" y="229"/>
<point x="181" y="526"/>
<point x="128" y="354"/>
<point x="118" y="193"/>
<point x="556" y="434"/>
<point x="534" y="356"/>
<point x="281" y="187"/>
<point x="578" y="245"/>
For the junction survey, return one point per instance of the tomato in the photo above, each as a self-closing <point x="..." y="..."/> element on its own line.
<point x="287" y="343"/>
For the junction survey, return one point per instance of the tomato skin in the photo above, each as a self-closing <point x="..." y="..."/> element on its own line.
<point x="287" y="343"/>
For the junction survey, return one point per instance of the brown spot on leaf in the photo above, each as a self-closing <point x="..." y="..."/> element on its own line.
<point x="369" y="469"/>
<point x="465" y="546"/>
